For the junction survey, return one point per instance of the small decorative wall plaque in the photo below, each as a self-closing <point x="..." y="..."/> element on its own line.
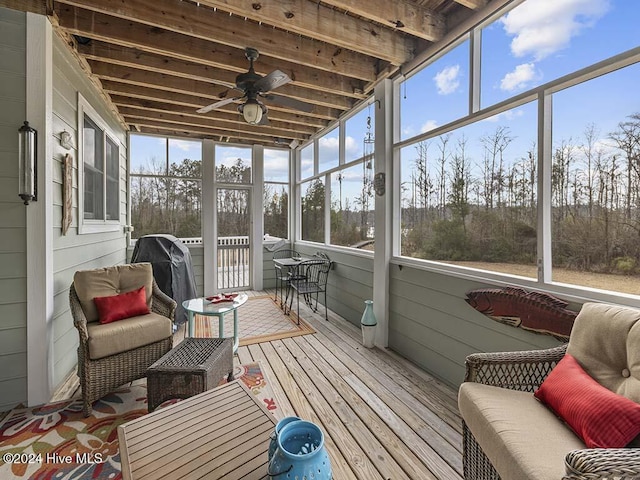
<point x="66" y="140"/>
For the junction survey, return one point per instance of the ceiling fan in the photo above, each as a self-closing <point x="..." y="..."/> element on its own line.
<point x="254" y="86"/>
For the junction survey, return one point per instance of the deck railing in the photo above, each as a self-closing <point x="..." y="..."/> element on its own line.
<point x="233" y="260"/>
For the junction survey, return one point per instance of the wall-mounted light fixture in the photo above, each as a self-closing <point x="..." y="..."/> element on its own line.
<point x="28" y="162"/>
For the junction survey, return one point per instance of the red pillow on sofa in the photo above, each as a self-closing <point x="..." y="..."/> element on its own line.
<point x="602" y="418"/>
<point x="119" y="307"/>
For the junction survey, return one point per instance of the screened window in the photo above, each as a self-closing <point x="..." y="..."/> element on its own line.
<point x="312" y="210"/>
<point x="233" y="164"/>
<point x="166" y="186"/>
<point x="306" y="161"/>
<point x="436" y="95"/>
<point x="276" y="193"/>
<point x="539" y="41"/>
<point x="99" y="174"/>
<point x="328" y="150"/>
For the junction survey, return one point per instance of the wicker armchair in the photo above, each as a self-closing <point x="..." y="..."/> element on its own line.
<point x="99" y="376"/>
<point x="525" y="371"/>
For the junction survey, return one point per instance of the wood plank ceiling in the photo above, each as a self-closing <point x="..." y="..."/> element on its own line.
<point x="158" y="61"/>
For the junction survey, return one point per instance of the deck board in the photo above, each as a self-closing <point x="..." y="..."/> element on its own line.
<point x="382" y="416"/>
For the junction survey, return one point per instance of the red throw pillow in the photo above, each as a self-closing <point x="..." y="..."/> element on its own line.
<point x="602" y="418"/>
<point x="119" y="307"/>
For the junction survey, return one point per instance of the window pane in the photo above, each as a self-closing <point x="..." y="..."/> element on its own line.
<point x="596" y="183"/>
<point x="352" y="206"/>
<point x="328" y="150"/>
<point x="306" y="162"/>
<point x="359" y="134"/>
<point x="541" y="40"/>
<point x="312" y="203"/>
<point x="113" y="180"/>
<point x="469" y="197"/>
<point x="233" y="164"/>
<point x="185" y="158"/>
<point x="276" y="165"/>
<point x="148" y="154"/>
<point x="436" y="95"/>
<point x="93" y="153"/>
<point x="162" y="205"/>
<point x="276" y="210"/>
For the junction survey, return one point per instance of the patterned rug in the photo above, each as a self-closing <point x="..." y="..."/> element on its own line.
<point x="259" y="320"/>
<point x="55" y="441"/>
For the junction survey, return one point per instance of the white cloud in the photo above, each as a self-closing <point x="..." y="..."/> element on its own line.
<point x="543" y="27"/>
<point x="330" y="143"/>
<point x="428" y="125"/>
<point x="184" y="145"/>
<point x="351" y="145"/>
<point x="519" y="78"/>
<point x="508" y="115"/>
<point x="447" y="80"/>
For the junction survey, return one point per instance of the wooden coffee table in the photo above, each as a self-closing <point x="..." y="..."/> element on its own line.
<point x="221" y="433"/>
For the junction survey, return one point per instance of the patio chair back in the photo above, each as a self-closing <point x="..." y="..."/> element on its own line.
<point x="310" y="280"/>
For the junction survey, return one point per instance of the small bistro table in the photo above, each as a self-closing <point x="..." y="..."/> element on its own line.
<point x="202" y="306"/>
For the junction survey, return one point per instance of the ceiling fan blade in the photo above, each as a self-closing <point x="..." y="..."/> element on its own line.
<point x="275" y="79"/>
<point x="289" y="102"/>
<point x="264" y="120"/>
<point x="219" y="104"/>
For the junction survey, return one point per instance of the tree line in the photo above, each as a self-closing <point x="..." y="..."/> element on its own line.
<point x="457" y="208"/>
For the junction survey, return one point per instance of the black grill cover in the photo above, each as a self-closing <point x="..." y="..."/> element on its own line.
<point x="172" y="268"/>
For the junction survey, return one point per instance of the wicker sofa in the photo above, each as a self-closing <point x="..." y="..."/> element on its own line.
<point x="113" y="354"/>
<point x="509" y="435"/>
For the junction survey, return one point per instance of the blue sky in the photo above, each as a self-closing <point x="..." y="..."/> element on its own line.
<point x="536" y="42"/>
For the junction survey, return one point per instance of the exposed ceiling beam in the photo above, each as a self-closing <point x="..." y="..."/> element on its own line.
<point x="472" y="4"/>
<point x="201" y="131"/>
<point x="190" y="121"/>
<point x="205" y="90"/>
<point x="168" y="132"/>
<point x="147" y="14"/>
<point x="403" y="15"/>
<point x="33" y="6"/>
<point x="314" y="20"/>
<point x="146" y="93"/>
<point x="168" y="78"/>
<point x="228" y="117"/>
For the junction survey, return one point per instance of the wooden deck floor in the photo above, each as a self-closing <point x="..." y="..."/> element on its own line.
<point x="383" y="417"/>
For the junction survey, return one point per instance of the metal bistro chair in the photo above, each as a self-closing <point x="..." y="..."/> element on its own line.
<point x="283" y="275"/>
<point x="311" y="278"/>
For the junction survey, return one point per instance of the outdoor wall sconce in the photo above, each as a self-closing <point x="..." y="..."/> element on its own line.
<point x="28" y="163"/>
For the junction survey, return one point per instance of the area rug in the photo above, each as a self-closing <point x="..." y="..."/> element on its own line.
<point x="259" y="320"/>
<point x="56" y="441"/>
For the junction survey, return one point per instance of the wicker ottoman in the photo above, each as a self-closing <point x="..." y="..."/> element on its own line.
<point x="194" y="366"/>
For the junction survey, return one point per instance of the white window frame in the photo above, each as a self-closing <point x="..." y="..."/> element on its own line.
<point x="87" y="226"/>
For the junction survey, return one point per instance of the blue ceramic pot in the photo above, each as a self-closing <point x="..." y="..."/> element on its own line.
<point x="273" y="444"/>
<point x="300" y="453"/>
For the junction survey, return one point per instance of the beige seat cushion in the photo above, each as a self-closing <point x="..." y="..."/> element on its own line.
<point x="105" y="282"/>
<point x="605" y="340"/>
<point x="520" y="436"/>
<point x="127" y="334"/>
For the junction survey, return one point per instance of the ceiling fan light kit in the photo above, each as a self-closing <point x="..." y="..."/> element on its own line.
<point x="252" y="111"/>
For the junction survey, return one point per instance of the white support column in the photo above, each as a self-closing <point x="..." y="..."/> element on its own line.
<point x="39" y="218"/>
<point x="209" y="237"/>
<point x="257" y="214"/>
<point x="384" y="208"/>
<point x="544" y="187"/>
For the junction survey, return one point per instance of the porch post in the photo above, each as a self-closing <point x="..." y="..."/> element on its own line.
<point x="208" y="219"/>
<point x="384" y="213"/>
<point x="257" y="214"/>
<point x="39" y="214"/>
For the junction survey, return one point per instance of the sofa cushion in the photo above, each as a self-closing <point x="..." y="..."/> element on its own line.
<point x="126" y="305"/>
<point x="521" y="437"/>
<point x="602" y="418"/>
<point x="127" y="334"/>
<point x="604" y="340"/>
<point x="104" y="282"/>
